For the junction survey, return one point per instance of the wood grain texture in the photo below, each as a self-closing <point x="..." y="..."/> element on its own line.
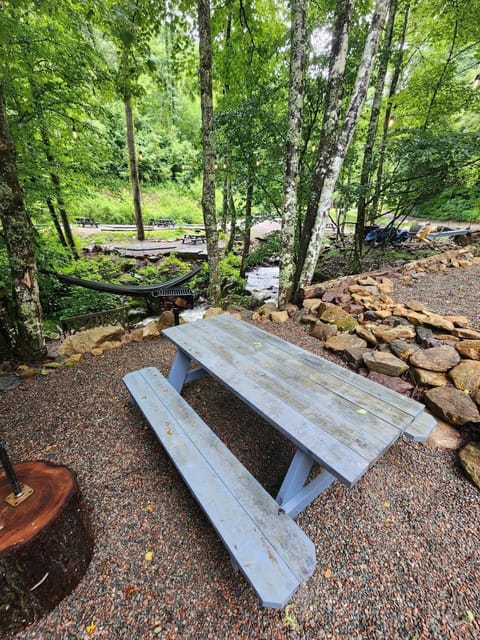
<point x="46" y="543"/>
<point x="271" y="550"/>
<point x="343" y="420"/>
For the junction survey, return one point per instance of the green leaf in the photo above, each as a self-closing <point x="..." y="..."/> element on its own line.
<point x="470" y="616"/>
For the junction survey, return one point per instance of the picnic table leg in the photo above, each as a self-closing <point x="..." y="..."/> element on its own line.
<point x="296" y="477"/>
<point x="178" y="370"/>
<point x="294" y="495"/>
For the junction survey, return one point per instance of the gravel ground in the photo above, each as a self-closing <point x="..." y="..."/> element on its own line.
<point x="398" y="555"/>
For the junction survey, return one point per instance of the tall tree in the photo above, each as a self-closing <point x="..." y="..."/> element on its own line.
<point x="208" y="140"/>
<point x="29" y="342"/>
<point x="367" y="164"/>
<point x="335" y="160"/>
<point x="292" y="151"/>
<point x="330" y="124"/>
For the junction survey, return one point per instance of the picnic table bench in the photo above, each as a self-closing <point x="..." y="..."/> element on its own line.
<point x="192" y="238"/>
<point x="86" y="221"/>
<point x="335" y="418"/>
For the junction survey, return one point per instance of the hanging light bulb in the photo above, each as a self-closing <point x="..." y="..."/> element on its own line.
<point x="74" y="132"/>
<point x="476" y="82"/>
<point x="391" y="121"/>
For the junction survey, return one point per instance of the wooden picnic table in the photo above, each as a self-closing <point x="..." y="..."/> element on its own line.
<point x="192" y="238"/>
<point x="334" y="417"/>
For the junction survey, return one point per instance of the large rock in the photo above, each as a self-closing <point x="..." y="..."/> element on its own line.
<point x="85" y="341"/>
<point x="397" y="384"/>
<point x="436" y="358"/>
<point x="311" y="304"/>
<point x="217" y="311"/>
<point x="466" y="334"/>
<point x="385" y="362"/>
<point x="344" y="341"/>
<point x="444" y="436"/>
<point x="424" y="377"/>
<point x="466" y="375"/>
<point x="451" y="405"/>
<point x="469" y="349"/>
<point x="366" y="334"/>
<point x="400" y="332"/>
<point x="403" y="349"/>
<point x="279" y="316"/>
<point x="469" y="457"/>
<point x="340" y="318"/>
<point x="323" y="331"/>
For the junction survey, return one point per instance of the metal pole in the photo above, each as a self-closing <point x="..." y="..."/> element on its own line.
<point x="10" y="473"/>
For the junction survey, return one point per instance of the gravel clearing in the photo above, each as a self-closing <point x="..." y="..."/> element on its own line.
<point x="398" y="555"/>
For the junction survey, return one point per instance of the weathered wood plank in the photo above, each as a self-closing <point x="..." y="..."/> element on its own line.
<point x="390" y="406"/>
<point x="330" y="452"/>
<point x="370" y="388"/>
<point x="272" y="552"/>
<point x="350" y="420"/>
<point x="363" y="433"/>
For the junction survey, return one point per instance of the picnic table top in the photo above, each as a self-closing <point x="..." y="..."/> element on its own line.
<point x="344" y="421"/>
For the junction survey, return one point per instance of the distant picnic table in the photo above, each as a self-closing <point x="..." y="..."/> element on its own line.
<point x="162" y="222"/>
<point x="86" y="221"/>
<point x="193" y="238"/>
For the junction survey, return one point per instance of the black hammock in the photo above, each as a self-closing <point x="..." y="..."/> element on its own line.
<point x="148" y="291"/>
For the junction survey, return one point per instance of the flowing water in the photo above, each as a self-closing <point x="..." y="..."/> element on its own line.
<point x="262" y="282"/>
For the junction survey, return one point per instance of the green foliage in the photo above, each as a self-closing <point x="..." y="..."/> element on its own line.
<point x="114" y="205"/>
<point x="267" y="248"/>
<point x="452" y="205"/>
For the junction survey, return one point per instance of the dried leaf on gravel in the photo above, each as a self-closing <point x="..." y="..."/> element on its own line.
<point x="90" y="628"/>
<point x="327" y="573"/>
<point x="149" y="556"/>
<point x="149" y="508"/>
<point x="290" y="618"/>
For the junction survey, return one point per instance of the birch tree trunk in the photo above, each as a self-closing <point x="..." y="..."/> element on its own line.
<point x="335" y="161"/>
<point x="132" y="163"/>
<point x="367" y="164"/>
<point x="208" y="139"/>
<point x="331" y="118"/>
<point x="292" y="151"/>
<point x="17" y="231"/>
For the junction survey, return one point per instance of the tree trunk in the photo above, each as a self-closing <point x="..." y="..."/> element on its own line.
<point x="56" y="223"/>
<point x="367" y="165"/>
<point x="132" y="163"/>
<point x="331" y="117"/>
<point x="248" y="222"/>
<point x="397" y="67"/>
<point x="335" y="162"/>
<point x="208" y="139"/>
<point x="17" y="231"/>
<point x="233" y="220"/>
<point x="58" y="189"/>
<point x="41" y="564"/>
<point x="292" y="151"/>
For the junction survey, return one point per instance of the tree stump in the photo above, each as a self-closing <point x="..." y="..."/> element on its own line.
<point x="46" y="543"/>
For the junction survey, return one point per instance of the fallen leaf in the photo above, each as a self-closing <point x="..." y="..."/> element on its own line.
<point x="327" y="573"/>
<point x="362" y="411"/>
<point x="149" y="508"/>
<point x="149" y="556"/>
<point x="290" y="618"/>
<point x="129" y="590"/>
<point x="470" y="616"/>
<point x="386" y="504"/>
<point x="168" y="431"/>
<point x="90" y="628"/>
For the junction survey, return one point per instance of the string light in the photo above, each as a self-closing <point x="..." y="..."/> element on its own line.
<point x="74" y="132"/>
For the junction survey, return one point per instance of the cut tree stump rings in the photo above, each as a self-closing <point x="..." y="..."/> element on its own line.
<point x="46" y="543"/>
